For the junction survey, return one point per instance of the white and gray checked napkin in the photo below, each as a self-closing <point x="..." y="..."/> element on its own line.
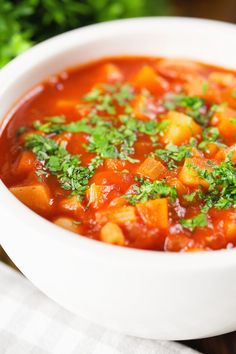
<point x="30" y="323"/>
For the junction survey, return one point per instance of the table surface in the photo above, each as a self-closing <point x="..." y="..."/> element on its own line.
<point x="225" y="344"/>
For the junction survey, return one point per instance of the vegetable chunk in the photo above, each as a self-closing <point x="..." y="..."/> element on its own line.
<point x="154" y="213"/>
<point x="180" y="129"/>
<point x="151" y="168"/>
<point x="149" y="79"/>
<point x="67" y="224"/>
<point x="189" y="172"/>
<point x="36" y="197"/>
<point x="112" y="233"/>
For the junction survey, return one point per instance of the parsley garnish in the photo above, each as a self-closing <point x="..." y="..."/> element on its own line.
<point x="173" y="153"/>
<point x="222" y="185"/>
<point x="193" y="106"/>
<point x="59" y="162"/>
<point x="198" y="221"/>
<point x="210" y="135"/>
<point x="150" y="190"/>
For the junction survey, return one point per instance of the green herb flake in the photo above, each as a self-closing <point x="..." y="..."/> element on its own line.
<point x="198" y="221"/>
<point x="145" y="190"/>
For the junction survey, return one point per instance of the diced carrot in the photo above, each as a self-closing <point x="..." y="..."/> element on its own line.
<point x="149" y="79"/>
<point x="225" y="120"/>
<point x="211" y="150"/>
<point x="112" y="233"/>
<point x="180" y="187"/>
<point x="71" y="205"/>
<point x="154" y="213"/>
<point x="223" y="79"/>
<point x="180" y="129"/>
<point x="152" y="169"/>
<point x="67" y="224"/>
<point x="230" y="227"/>
<point x="25" y="163"/>
<point x="188" y="174"/>
<point x="36" y="197"/>
<point x="224" y="152"/>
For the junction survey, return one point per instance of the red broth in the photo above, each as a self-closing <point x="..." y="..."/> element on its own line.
<point x="136" y="152"/>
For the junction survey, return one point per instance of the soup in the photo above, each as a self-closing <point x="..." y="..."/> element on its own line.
<point x="136" y="152"/>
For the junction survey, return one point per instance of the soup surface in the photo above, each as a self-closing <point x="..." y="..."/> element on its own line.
<point x="137" y="152"/>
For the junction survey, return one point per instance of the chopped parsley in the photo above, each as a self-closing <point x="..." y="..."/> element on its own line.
<point x="173" y="153"/>
<point x="222" y="185"/>
<point x="193" y="106"/>
<point x="210" y="135"/>
<point x="150" y="190"/>
<point x="197" y="221"/>
<point x="55" y="159"/>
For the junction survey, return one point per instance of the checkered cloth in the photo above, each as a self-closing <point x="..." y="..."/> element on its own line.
<point x="30" y="323"/>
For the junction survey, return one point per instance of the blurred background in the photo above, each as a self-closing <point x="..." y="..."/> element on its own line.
<point x="26" y="22"/>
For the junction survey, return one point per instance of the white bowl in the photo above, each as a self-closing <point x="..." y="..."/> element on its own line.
<point x="142" y="293"/>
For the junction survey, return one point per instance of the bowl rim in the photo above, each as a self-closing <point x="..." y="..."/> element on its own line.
<point x="145" y="258"/>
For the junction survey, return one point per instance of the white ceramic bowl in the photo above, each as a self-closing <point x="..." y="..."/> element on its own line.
<point x="142" y="293"/>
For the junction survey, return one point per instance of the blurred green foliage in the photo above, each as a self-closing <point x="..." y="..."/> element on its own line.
<point x="25" y="22"/>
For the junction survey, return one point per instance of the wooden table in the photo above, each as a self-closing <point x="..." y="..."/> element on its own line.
<point x="225" y="344"/>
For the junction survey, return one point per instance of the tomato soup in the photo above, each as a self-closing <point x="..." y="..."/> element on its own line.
<point x="132" y="151"/>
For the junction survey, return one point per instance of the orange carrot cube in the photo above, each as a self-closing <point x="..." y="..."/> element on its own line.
<point x="154" y="213"/>
<point x="189" y="175"/>
<point x="151" y="168"/>
<point x="180" y="129"/>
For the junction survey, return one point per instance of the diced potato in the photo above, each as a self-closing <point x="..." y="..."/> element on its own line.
<point x="71" y="205"/>
<point x="25" y="163"/>
<point x="154" y="213"/>
<point x="66" y="223"/>
<point x="223" y="79"/>
<point x="36" y="197"/>
<point x="152" y="169"/>
<point x="225" y="120"/>
<point x="180" y="129"/>
<point x="147" y="78"/>
<point x="123" y="215"/>
<point x="112" y="233"/>
<point x="189" y="176"/>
